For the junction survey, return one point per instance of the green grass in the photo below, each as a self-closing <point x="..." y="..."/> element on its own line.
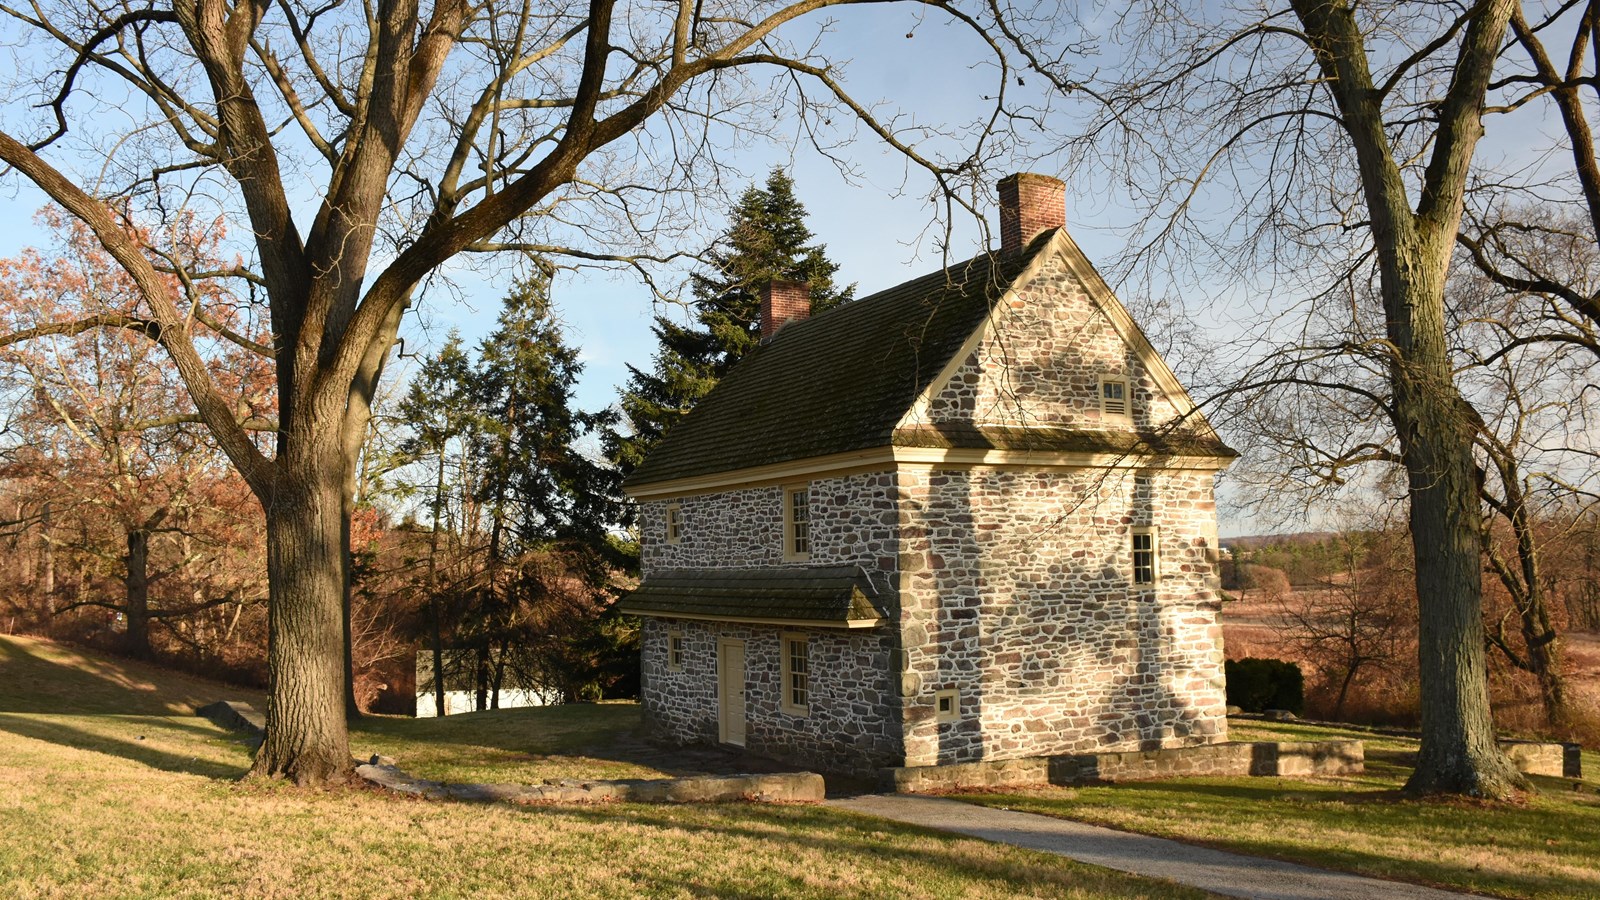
<point x="109" y="788"/>
<point x="523" y="746"/>
<point x="1545" y="846"/>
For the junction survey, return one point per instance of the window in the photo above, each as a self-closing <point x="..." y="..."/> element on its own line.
<point x="674" y="523"/>
<point x="796" y="674"/>
<point x="1144" y="556"/>
<point x="674" y="651"/>
<point x="797" y="523"/>
<point x="947" y="706"/>
<point x="1114" y="402"/>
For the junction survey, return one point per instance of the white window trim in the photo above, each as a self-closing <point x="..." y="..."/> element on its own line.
<point x="1155" y="556"/>
<point x="954" y="713"/>
<point x="789" y="554"/>
<point x="674" y="518"/>
<point x="1126" y="415"/>
<point x="675" y="665"/>
<point x="785" y="670"/>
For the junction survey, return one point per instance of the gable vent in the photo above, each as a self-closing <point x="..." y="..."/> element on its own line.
<point x="1114" y="398"/>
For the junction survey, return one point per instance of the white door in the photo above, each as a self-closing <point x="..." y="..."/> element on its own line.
<point x="730" y="691"/>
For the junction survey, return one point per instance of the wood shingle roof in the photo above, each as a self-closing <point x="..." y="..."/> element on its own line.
<point x="839" y="381"/>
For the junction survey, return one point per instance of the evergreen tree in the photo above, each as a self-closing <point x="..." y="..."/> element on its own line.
<point x="766" y="239"/>
<point x="538" y="486"/>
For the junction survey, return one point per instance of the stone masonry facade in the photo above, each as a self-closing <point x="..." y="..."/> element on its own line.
<point x="1007" y="584"/>
<point x="1016" y="594"/>
<point x="1042" y="361"/>
<point x="852" y="723"/>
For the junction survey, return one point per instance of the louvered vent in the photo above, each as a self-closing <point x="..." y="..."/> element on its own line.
<point x="1114" y="398"/>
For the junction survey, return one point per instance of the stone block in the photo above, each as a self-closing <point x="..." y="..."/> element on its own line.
<point x="1537" y="758"/>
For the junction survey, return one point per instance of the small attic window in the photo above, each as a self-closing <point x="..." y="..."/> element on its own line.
<point x="1114" y="401"/>
<point x="674" y="523"/>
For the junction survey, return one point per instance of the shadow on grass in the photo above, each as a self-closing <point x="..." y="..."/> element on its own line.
<point x="606" y="732"/>
<point x="55" y="732"/>
<point x="841" y="836"/>
<point x="53" y="679"/>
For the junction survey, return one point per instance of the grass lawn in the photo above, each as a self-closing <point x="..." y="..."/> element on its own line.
<point x="1548" y="846"/>
<point x="526" y="746"/>
<point x="110" y="788"/>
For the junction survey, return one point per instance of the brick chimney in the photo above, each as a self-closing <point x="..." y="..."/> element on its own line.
<point x="1029" y="204"/>
<point x="783" y="302"/>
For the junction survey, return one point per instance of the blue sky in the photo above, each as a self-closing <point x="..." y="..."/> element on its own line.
<point x="875" y="226"/>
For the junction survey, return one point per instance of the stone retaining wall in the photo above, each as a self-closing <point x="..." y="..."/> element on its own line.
<point x="1235" y="759"/>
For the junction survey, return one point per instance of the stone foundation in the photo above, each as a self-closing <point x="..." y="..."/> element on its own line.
<point x="1230" y="760"/>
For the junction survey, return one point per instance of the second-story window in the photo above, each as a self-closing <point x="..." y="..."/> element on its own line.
<point x="797" y="522"/>
<point x="674" y="523"/>
<point x="1144" y="556"/>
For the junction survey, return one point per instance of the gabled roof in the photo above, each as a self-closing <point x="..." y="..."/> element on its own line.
<point x="859" y="377"/>
<point x="836" y="596"/>
<point x="839" y="381"/>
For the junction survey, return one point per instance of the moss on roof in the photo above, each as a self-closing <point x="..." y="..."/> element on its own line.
<point x="838" y="381"/>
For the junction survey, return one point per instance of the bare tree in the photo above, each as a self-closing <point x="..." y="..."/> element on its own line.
<point x="1357" y="623"/>
<point x="367" y="145"/>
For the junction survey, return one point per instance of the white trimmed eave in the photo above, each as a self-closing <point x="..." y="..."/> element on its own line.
<point x="852" y="624"/>
<point x="882" y="458"/>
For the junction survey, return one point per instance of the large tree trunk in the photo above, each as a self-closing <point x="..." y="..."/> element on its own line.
<point x="136" y="640"/>
<point x="1459" y="754"/>
<point x="1413" y="250"/>
<point x="306" y="740"/>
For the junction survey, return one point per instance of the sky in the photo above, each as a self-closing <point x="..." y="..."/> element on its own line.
<point x="874" y="224"/>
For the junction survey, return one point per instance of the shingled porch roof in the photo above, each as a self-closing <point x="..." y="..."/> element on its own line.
<point x="825" y="596"/>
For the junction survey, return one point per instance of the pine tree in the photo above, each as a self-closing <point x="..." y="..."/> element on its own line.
<point x="766" y="239"/>
<point x="537" y="484"/>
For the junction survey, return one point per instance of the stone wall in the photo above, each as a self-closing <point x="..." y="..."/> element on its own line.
<point x="1016" y="593"/>
<point x="851" y="725"/>
<point x="1042" y="361"/>
<point x="853" y="520"/>
<point x="1286" y="759"/>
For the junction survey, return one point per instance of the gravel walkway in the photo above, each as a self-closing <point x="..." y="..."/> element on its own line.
<point x="1230" y="874"/>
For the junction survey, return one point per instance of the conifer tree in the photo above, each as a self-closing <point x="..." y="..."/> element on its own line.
<point x="538" y="485"/>
<point x="766" y="239"/>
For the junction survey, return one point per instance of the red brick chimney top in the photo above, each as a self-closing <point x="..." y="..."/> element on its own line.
<point x="1029" y="204"/>
<point x="783" y="302"/>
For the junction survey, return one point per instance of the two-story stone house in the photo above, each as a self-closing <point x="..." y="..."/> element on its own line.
<point x="968" y="517"/>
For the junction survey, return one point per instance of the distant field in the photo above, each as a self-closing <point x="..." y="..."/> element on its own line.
<point x="109" y="787"/>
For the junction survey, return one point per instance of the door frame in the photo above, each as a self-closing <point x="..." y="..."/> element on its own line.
<point x="724" y="717"/>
